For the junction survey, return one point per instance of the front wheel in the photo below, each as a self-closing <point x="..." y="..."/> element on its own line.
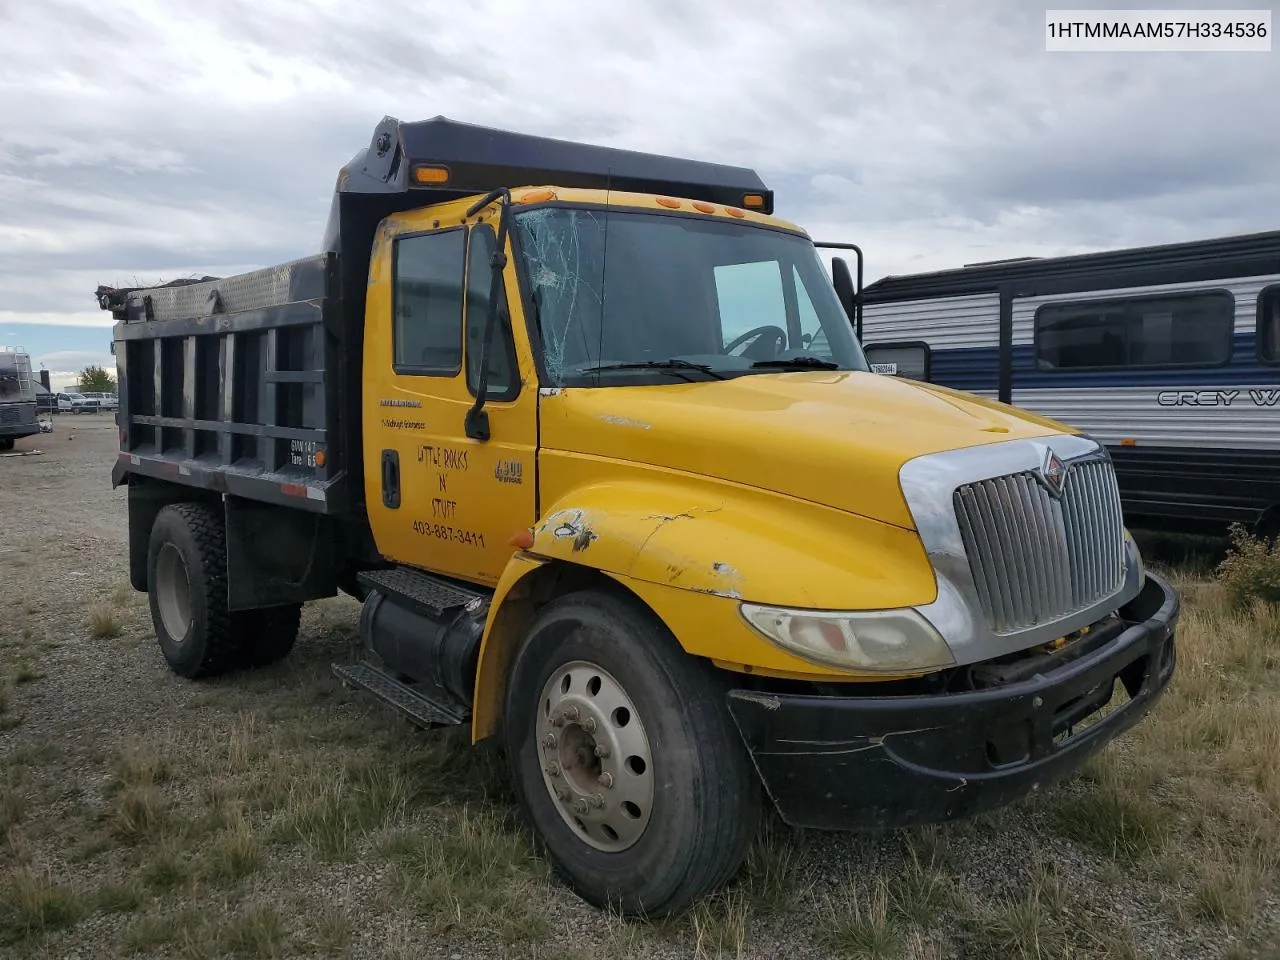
<point x="626" y="761"/>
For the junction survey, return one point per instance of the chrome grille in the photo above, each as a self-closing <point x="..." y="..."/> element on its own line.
<point x="1035" y="558"/>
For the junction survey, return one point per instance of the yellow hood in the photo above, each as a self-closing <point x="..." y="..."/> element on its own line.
<point x="834" y="438"/>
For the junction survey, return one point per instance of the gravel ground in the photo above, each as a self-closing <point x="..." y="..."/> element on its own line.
<point x="130" y="782"/>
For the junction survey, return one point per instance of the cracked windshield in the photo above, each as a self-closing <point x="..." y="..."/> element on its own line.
<point x="619" y="295"/>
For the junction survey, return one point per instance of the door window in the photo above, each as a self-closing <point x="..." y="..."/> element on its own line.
<point x="427" y="303"/>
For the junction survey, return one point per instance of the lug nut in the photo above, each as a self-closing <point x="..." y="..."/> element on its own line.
<point x="589" y="724"/>
<point x="557" y="721"/>
<point x="596" y="801"/>
<point x="571" y="712"/>
<point x="602" y="750"/>
<point x="553" y="768"/>
<point x="549" y="741"/>
<point x="606" y="780"/>
<point x="580" y="807"/>
<point x="562" y="793"/>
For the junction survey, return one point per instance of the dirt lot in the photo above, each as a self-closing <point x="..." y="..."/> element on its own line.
<point x="276" y="814"/>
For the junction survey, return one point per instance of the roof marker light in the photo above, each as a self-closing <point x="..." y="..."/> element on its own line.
<point x="704" y="207"/>
<point x="427" y="173"/>
<point x="735" y="212"/>
<point x="753" y="200"/>
<point x="667" y="202"/>
<point x="536" y="196"/>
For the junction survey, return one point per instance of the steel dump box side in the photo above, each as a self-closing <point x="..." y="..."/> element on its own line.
<point x="233" y="385"/>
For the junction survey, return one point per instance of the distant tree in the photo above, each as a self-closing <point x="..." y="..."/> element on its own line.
<point x="96" y="380"/>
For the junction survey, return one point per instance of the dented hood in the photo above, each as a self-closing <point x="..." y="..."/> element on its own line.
<point x="834" y="438"/>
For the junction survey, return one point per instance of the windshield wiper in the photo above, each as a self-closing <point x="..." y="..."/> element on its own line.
<point x="674" y="364"/>
<point x="814" y="363"/>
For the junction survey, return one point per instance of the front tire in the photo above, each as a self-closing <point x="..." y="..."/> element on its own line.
<point x="665" y="812"/>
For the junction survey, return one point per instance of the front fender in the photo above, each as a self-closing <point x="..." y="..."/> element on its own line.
<point x="736" y="543"/>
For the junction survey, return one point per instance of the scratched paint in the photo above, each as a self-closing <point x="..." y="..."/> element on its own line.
<point x="573" y="525"/>
<point x="625" y="422"/>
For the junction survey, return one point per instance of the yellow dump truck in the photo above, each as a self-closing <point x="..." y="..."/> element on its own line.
<point x="590" y="435"/>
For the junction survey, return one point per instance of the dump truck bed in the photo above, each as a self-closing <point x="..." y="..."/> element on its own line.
<point x="233" y="384"/>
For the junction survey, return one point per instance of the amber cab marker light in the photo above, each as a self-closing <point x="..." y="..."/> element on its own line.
<point x="537" y="196"/>
<point x="753" y="200"/>
<point x="523" y="539"/>
<point x="429" y="174"/>
<point x="319" y="458"/>
<point x="667" y="202"/>
<point x="1128" y="442"/>
<point x="703" y="207"/>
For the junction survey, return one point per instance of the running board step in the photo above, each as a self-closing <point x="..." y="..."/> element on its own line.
<point x="424" y="712"/>
<point x="430" y="594"/>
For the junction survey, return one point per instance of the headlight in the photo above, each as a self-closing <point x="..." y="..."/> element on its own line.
<point x="887" y="641"/>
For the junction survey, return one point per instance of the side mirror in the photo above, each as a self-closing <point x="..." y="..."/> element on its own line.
<point x="842" y="280"/>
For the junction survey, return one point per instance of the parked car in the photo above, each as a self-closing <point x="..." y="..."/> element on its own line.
<point x="105" y="401"/>
<point x="78" y="403"/>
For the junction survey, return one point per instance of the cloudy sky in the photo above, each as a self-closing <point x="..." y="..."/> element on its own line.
<point x="142" y="140"/>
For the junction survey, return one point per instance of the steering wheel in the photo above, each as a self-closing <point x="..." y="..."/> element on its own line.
<point x="779" y="337"/>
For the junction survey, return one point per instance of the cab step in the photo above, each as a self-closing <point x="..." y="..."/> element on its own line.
<point x="426" y="592"/>
<point x="417" y="707"/>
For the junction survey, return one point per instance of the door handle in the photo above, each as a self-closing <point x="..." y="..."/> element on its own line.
<point x="391" y="479"/>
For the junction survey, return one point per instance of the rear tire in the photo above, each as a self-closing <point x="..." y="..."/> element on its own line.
<point x="267" y="636"/>
<point x="644" y="849"/>
<point x="187" y="590"/>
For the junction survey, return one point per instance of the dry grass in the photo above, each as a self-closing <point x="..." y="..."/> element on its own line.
<point x="33" y="904"/>
<point x="104" y="624"/>
<point x="275" y="814"/>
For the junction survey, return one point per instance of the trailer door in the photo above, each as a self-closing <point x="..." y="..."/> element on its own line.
<point x="437" y="499"/>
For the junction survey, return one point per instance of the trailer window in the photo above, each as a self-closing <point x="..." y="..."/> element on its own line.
<point x="10" y="384"/>
<point x="503" y="383"/>
<point x="1269" y="325"/>
<point x="1170" y="330"/>
<point x="427" y="303"/>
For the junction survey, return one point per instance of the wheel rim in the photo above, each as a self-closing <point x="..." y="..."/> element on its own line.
<point x="173" y="592"/>
<point x="594" y="755"/>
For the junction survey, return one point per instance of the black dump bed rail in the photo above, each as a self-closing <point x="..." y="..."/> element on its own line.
<point x="232" y="385"/>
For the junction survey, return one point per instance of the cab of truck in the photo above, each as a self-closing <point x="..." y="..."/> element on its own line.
<point x="590" y="435"/>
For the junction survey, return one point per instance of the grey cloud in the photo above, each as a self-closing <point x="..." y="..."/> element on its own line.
<point x="136" y="143"/>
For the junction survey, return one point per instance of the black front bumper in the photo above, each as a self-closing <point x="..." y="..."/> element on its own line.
<point x="876" y="762"/>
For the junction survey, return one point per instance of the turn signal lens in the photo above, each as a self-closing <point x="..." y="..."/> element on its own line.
<point x="429" y="174"/>
<point x="753" y="201"/>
